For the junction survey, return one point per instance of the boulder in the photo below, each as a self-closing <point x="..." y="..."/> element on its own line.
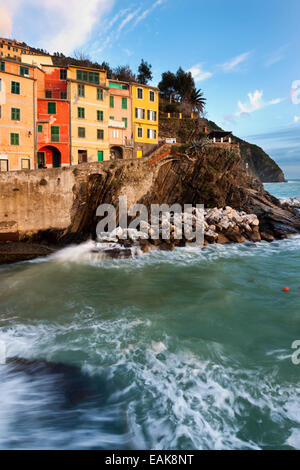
<point x="235" y="236"/>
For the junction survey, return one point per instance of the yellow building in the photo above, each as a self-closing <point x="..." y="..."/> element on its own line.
<point x="13" y="49"/>
<point x="145" y="108"/>
<point x="18" y="102"/>
<point x="89" y="102"/>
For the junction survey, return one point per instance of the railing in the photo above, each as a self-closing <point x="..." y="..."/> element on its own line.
<point x="179" y="116"/>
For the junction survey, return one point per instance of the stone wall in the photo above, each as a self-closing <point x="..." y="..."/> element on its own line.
<point x="40" y="200"/>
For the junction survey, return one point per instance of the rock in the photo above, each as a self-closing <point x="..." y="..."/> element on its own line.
<point x="210" y="236"/>
<point x="268" y="237"/>
<point x="254" y="235"/>
<point x="235" y="236"/>
<point x="222" y="240"/>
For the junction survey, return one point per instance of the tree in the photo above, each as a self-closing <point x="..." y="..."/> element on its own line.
<point x="197" y="101"/>
<point x="124" y="73"/>
<point x="144" y="73"/>
<point x="167" y="85"/>
<point x="81" y="55"/>
<point x="185" y="84"/>
<point x="106" y="66"/>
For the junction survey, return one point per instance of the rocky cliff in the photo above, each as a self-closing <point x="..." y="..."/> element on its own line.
<point x="58" y="206"/>
<point x="260" y="164"/>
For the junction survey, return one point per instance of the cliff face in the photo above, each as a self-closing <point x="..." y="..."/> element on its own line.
<point x="260" y="164"/>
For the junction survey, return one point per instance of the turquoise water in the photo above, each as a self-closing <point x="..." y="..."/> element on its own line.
<point x="284" y="190"/>
<point x="182" y="350"/>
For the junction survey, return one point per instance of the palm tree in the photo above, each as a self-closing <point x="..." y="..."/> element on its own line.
<point x="197" y="101"/>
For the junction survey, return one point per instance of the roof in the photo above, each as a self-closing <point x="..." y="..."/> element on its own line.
<point x="219" y="133"/>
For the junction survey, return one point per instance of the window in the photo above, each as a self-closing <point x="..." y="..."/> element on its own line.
<point x="100" y="155"/>
<point x="99" y="94"/>
<point x="126" y="122"/>
<point x="140" y="132"/>
<point x="140" y="93"/>
<point x="40" y="128"/>
<point x="3" y="165"/>
<point x="152" y="96"/>
<point x="2" y="66"/>
<point x="51" y="108"/>
<point x="124" y="103"/>
<point x="124" y="87"/>
<point x="25" y="164"/>
<point x="81" y="91"/>
<point x="15" y="88"/>
<point x="54" y="134"/>
<point x="139" y="113"/>
<point x="63" y="95"/>
<point x="151" y="134"/>
<point x="112" y="101"/>
<point x="48" y="94"/>
<point x="15" y="114"/>
<point x="99" y="115"/>
<point x="14" y="139"/>
<point x="100" y="134"/>
<point x="24" y="70"/>
<point x="81" y="113"/>
<point x="90" y="77"/>
<point x="116" y="133"/>
<point x="152" y="115"/>
<point x="81" y="132"/>
<point x="63" y="74"/>
<point x="112" y="118"/>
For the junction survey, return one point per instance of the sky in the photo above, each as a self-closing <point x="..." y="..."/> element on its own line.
<point x="243" y="54"/>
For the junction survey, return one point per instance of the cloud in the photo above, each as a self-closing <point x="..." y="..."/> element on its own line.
<point x="199" y="74"/>
<point x="235" y="62"/>
<point x="277" y="56"/>
<point x="296" y="118"/>
<point x="255" y="103"/>
<point x="229" y="119"/>
<point x="147" y="12"/>
<point x="69" y="23"/>
<point x="5" y="22"/>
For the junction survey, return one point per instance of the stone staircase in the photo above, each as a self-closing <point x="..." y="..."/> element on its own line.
<point x="160" y="153"/>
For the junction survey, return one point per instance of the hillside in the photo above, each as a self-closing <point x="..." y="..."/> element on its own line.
<point x="260" y="164"/>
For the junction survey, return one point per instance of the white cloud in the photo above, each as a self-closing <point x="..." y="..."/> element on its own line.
<point x="199" y="74"/>
<point x="147" y="12"/>
<point x="5" y="22"/>
<point x="255" y="103"/>
<point x="232" y="64"/>
<point x="69" y="23"/>
<point x="296" y="118"/>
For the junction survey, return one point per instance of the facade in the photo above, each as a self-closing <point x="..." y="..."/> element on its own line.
<point x="53" y="119"/>
<point x="18" y="102"/>
<point x="89" y="103"/>
<point x="120" y="122"/>
<point x="145" y="111"/>
<point x="53" y="116"/>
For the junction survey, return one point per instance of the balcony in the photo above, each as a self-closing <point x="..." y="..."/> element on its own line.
<point x="116" y="124"/>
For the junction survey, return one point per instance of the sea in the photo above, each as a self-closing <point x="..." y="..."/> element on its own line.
<point x="181" y="350"/>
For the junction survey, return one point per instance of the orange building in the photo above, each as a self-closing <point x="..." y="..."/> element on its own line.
<point x="53" y="119"/>
<point x="19" y="86"/>
<point x="119" y="124"/>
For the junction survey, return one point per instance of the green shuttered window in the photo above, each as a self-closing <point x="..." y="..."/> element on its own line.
<point x="14" y="139"/>
<point x="54" y="134"/>
<point x="51" y="108"/>
<point x="15" y="114"/>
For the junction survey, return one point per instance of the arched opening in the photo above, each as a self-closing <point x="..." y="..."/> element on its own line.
<point x="49" y="157"/>
<point x="116" y="153"/>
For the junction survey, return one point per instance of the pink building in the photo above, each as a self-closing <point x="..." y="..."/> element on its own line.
<point x="119" y="126"/>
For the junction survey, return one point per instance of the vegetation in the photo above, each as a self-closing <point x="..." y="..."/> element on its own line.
<point x="180" y="92"/>
<point x="144" y="73"/>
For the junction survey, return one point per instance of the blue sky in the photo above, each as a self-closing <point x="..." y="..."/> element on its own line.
<point x="243" y="54"/>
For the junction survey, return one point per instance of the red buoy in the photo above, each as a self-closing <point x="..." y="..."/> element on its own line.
<point x="286" y="289"/>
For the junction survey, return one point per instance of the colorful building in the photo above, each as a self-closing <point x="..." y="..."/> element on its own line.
<point x="19" y="87"/>
<point x="145" y="108"/>
<point x="89" y="101"/>
<point x="53" y="119"/>
<point x="120" y="122"/>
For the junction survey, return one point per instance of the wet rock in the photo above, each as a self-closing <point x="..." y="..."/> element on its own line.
<point x="268" y="237"/>
<point x="222" y="240"/>
<point x="235" y="236"/>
